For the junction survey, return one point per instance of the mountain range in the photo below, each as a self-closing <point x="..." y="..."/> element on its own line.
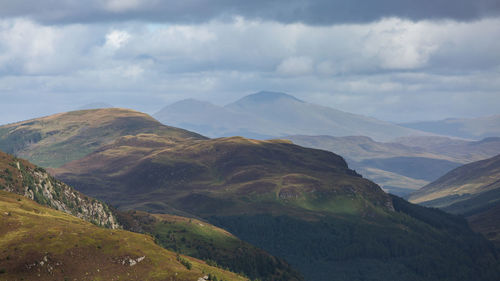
<point x="398" y="159"/>
<point x="300" y="204"/>
<point x="265" y="115"/>
<point x="404" y="164"/>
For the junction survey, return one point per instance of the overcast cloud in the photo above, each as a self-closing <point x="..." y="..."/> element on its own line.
<point x="396" y="60"/>
<point x="317" y="12"/>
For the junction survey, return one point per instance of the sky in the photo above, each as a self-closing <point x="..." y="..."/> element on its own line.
<point x="396" y="60"/>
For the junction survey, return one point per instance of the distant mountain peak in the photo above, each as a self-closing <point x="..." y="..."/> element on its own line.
<point x="266" y="97"/>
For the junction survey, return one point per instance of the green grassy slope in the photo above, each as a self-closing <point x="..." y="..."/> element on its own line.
<point x="218" y="247"/>
<point x="43" y="244"/>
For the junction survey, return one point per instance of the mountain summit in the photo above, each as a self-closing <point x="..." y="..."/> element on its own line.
<point x="265" y="115"/>
<point x="266" y="97"/>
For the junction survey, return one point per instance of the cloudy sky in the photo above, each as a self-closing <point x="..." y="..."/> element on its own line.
<point x="396" y="60"/>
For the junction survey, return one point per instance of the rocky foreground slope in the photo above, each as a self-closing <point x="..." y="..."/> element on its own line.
<point x="23" y="178"/>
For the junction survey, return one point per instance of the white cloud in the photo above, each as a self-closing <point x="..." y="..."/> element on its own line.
<point x="295" y="66"/>
<point x="116" y="39"/>
<point x="388" y="69"/>
<point x="399" y="44"/>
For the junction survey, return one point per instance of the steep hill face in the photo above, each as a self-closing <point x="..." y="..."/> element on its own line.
<point x="21" y="177"/>
<point x="269" y="114"/>
<point x="473" y="128"/>
<point x="39" y="243"/>
<point x="472" y="190"/>
<point x="57" y="139"/>
<point x="406" y="164"/>
<point x="300" y="204"/>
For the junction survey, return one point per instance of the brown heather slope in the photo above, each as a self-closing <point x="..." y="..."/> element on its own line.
<point x="43" y="244"/>
<point x="461" y="183"/>
<point x="57" y="139"/>
<point x="227" y="175"/>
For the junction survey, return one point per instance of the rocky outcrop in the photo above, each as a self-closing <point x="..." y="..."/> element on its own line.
<point x="23" y="178"/>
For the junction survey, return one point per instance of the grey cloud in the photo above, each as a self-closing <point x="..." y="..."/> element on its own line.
<point x="315" y="12"/>
<point x="393" y="69"/>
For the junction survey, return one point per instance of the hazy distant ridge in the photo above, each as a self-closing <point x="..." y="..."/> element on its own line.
<point x="269" y="114"/>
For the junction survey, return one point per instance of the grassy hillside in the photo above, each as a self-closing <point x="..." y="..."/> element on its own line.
<point x="228" y="175"/>
<point x="303" y="205"/>
<point x="218" y="247"/>
<point x="57" y="139"/>
<point x="193" y="239"/>
<point x="43" y="244"/>
<point x="461" y="183"/>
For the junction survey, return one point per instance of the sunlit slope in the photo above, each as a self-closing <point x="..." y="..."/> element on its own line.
<point x="57" y="139"/>
<point x="472" y="190"/>
<point x="43" y="244"/>
<point x="462" y="183"/>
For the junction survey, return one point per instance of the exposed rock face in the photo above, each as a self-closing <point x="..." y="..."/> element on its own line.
<point x="23" y="178"/>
